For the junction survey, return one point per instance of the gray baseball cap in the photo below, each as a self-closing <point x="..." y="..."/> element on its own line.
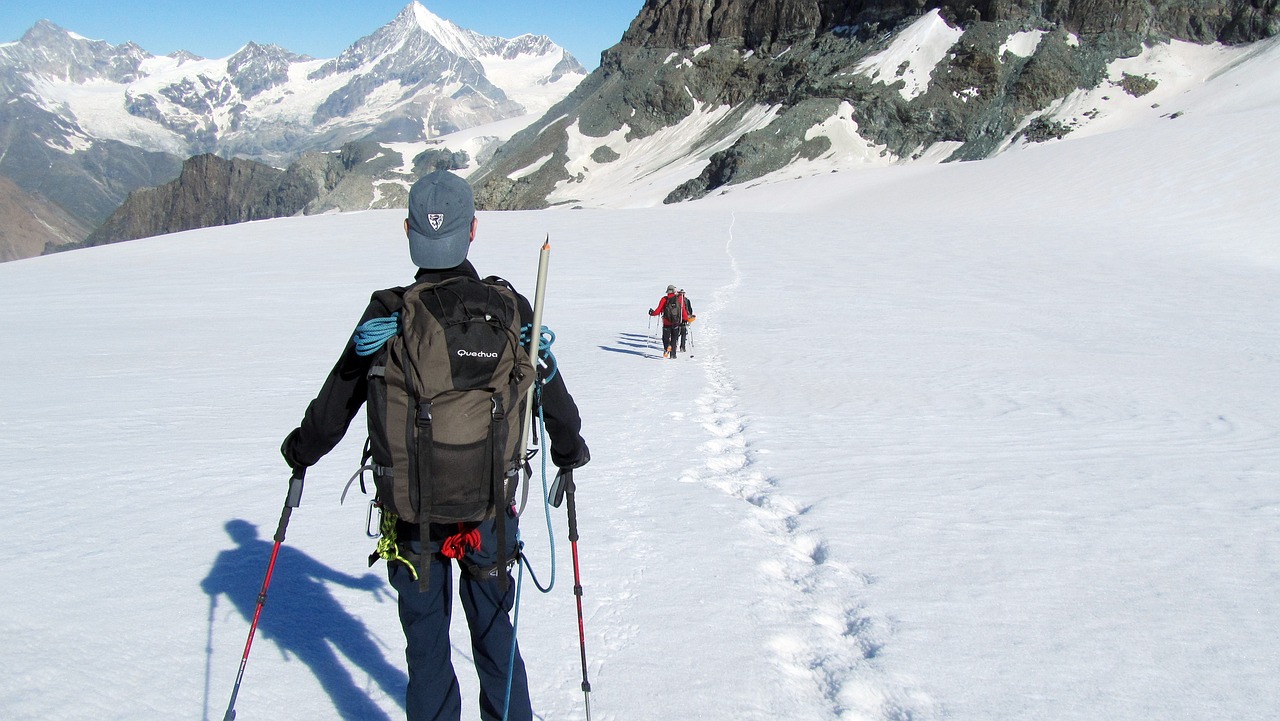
<point x="441" y="208"/>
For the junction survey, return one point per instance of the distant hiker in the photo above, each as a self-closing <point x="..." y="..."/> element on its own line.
<point x="689" y="317"/>
<point x="676" y="312"/>
<point x="448" y="299"/>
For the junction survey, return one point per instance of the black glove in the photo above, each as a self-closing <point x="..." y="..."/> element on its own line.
<point x="580" y="459"/>
<point x="286" y="450"/>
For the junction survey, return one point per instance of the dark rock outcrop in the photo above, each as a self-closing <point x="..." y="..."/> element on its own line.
<point x="209" y="191"/>
<point x="213" y="191"/>
<point x="763" y="24"/>
<point x="800" y="56"/>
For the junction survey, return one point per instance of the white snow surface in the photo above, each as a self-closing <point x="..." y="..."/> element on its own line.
<point x="1023" y="44"/>
<point x="648" y="169"/>
<point x="985" y="441"/>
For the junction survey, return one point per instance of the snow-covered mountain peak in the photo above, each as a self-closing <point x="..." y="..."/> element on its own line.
<point x="84" y="122"/>
<point x="51" y="51"/>
<point x="457" y="40"/>
<point x="417" y="77"/>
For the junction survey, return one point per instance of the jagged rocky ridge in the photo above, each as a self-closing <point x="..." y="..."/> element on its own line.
<point x="799" y="57"/>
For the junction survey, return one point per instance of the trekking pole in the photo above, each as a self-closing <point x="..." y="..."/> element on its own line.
<point x="291" y="502"/>
<point x="208" y="657"/>
<point x="535" y="348"/>
<point x="563" y="487"/>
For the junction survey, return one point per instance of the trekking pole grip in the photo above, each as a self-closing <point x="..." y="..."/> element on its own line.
<point x="295" y="489"/>
<point x="292" y="501"/>
<point x="569" y="490"/>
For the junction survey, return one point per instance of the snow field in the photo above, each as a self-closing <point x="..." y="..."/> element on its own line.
<point x="986" y="441"/>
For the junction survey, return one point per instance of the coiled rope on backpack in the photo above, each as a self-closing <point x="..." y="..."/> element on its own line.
<point x="374" y="333"/>
<point x="546" y="338"/>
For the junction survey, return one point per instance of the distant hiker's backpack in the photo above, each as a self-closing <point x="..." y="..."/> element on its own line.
<point x="446" y="400"/>
<point x="671" y="311"/>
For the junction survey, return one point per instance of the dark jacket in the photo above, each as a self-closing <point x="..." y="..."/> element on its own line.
<point x="346" y="389"/>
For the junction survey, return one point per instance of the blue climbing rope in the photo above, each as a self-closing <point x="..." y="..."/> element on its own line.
<point x="546" y="504"/>
<point x="546" y="338"/>
<point x="551" y="540"/>
<point x="523" y="563"/>
<point x="372" y="334"/>
<point x="515" y="622"/>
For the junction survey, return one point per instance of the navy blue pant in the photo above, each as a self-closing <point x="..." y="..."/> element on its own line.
<point x="433" y="693"/>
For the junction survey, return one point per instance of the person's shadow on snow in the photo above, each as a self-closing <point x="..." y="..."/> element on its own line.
<point x="635" y="344"/>
<point x="303" y="619"/>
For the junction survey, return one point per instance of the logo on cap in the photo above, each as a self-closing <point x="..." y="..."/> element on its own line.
<point x="436" y="220"/>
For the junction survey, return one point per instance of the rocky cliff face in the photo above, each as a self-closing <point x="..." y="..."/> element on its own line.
<point x="810" y="62"/>
<point x="212" y="191"/>
<point x="209" y="191"/>
<point x="762" y="24"/>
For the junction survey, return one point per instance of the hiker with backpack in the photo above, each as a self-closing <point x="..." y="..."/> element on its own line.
<point x="426" y="361"/>
<point x="676" y="313"/>
<point x="688" y="318"/>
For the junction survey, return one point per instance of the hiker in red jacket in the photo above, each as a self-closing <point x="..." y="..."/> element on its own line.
<point x="676" y="312"/>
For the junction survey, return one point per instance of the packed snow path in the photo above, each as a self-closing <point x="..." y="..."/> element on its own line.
<point x="759" y="570"/>
<point x="823" y="633"/>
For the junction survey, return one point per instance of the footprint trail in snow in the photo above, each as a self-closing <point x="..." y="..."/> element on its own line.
<point x="827" y="639"/>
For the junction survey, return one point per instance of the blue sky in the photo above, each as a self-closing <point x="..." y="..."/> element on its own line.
<point x="320" y="28"/>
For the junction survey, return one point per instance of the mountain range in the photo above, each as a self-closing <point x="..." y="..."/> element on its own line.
<point x="84" y="122"/>
<point x="697" y="99"/>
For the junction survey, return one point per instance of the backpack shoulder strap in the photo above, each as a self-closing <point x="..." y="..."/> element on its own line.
<point x="391" y="299"/>
<point x="502" y="282"/>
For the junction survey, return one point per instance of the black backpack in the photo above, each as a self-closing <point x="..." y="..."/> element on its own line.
<point x="671" y="312"/>
<point x="446" y="404"/>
